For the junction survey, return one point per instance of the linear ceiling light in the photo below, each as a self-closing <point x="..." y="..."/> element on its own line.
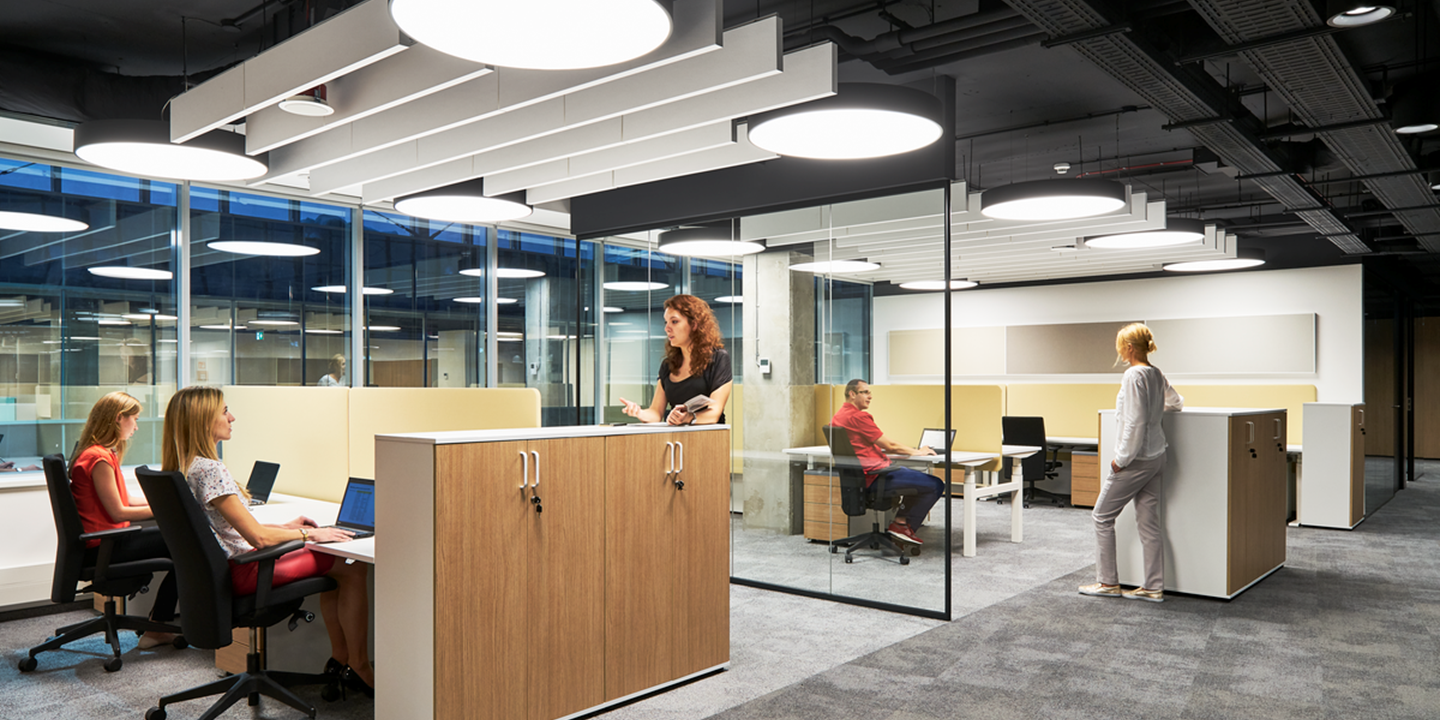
<point x="125" y="272"/>
<point x="862" y="120"/>
<point x="143" y="147"/>
<point x="323" y="331"/>
<point x="465" y="202"/>
<point x="938" y="285"/>
<point x="536" y="34"/>
<point x="341" y="289"/>
<point x="706" y="242"/>
<point x="1052" y="199"/>
<point x="36" y="222"/>
<point x="1245" y="258"/>
<point x="635" y="285"/>
<point x="1178" y="231"/>
<point x="825" y="267"/>
<point x="470" y="300"/>
<point x="268" y="249"/>
<point x="1349" y="13"/>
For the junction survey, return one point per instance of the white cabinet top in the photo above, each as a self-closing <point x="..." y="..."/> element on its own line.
<point x="456" y="437"/>
<point x="1219" y="411"/>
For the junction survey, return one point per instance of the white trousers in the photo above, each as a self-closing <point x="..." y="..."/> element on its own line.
<point x="1143" y="482"/>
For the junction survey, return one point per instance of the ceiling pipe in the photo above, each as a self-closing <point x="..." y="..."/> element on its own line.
<point x="910" y="49"/>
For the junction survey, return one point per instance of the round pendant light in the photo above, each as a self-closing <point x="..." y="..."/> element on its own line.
<point x="1178" y="231"/>
<point x="635" y="285"/>
<point x="341" y="290"/>
<point x="1244" y="258"/>
<point x="469" y="300"/>
<point x="515" y="273"/>
<point x="267" y="249"/>
<point x="323" y="331"/>
<point x="732" y="299"/>
<point x="143" y="147"/>
<point x="938" y="285"/>
<point x="465" y="202"/>
<point x="1352" y="13"/>
<point x="536" y="34"/>
<point x="311" y="103"/>
<point x="1040" y="200"/>
<point x="36" y="222"/>
<point x="826" y="267"/>
<point x="862" y="120"/>
<point x="706" y="242"/>
<point x="125" y="272"/>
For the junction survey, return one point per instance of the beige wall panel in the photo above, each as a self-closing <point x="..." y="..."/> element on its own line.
<point x="1062" y="349"/>
<point x="1290" y="397"/>
<point x="903" y="411"/>
<point x="973" y="351"/>
<point x="302" y="428"/>
<point x="375" y="411"/>
<point x="1271" y="344"/>
<point x="1069" y="409"/>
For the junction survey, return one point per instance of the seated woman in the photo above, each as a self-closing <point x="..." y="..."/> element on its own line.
<point x="104" y="501"/>
<point x="195" y="422"/>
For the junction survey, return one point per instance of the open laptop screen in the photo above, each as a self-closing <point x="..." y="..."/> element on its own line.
<point x="936" y="439"/>
<point x="357" y="508"/>
<point x="262" y="481"/>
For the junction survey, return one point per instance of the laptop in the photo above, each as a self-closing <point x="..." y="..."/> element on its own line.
<point x="357" y="508"/>
<point x="262" y="481"/>
<point x="936" y="439"/>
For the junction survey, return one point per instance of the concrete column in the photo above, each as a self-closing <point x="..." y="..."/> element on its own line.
<point x="779" y="322"/>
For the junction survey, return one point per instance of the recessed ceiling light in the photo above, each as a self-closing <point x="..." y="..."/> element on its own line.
<point x="323" y="331"/>
<point x="35" y="222"/>
<point x="706" y="242"/>
<point x="1245" y="258"/>
<point x="1052" y="199"/>
<point x="554" y="35"/>
<point x="267" y="249"/>
<point x="111" y="321"/>
<point x="938" y="285"/>
<point x="147" y="316"/>
<point x="515" y="273"/>
<point x="12" y="303"/>
<point x="824" y="267"/>
<point x="83" y="337"/>
<point x="862" y="120"/>
<point x="635" y="285"/>
<point x="125" y="272"/>
<point x="730" y="299"/>
<point x="311" y="103"/>
<point x="1356" y="15"/>
<point x="470" y="300"/>
<point x="167" y="340"/>
<point x="341" y="289"/>
<point x="465" y="202"/>
<point x="1178" y="231"/>
<point x="143" y="147"/>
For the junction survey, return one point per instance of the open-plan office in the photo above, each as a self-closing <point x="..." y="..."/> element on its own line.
<point x="540" y="555"/>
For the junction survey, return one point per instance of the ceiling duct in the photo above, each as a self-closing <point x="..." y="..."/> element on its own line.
<point x="910" y="49"/>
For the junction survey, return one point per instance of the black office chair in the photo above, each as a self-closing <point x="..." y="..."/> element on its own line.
<point x="110" y="580"/>
<point x="209" y="609"/>
<point x="856" y="499"/>
<point x="1031" y="431"/>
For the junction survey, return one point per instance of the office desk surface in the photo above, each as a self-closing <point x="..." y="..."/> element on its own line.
<point x="284" y="508"/>
<point x="1073" y="441"/>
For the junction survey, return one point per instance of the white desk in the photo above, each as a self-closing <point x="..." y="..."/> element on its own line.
<point x="972" y="492"/>
<point x="284" y="508"/>
<point x="1072" y="441"/>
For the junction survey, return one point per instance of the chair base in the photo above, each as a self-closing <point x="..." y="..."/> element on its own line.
<point x="251" y="684"/>
<point x="110" y="623"/>
<point x="876" y="539"/>
<point x="1032" y="492"/>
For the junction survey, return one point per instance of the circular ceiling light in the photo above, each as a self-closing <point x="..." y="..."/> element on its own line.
<point x="706" y="242"/>
<point x="311" y="103"/>
<point x="509" y="273"/>
<point x="1052" y="199"/>
<point x="323" y="331"/>
<point x="938" y="285"/>
<point x="267" y="249"/>
<point x="36" y="222"/>
<point x="635" y="285"/>
<point x="1178" y="231"/>
<point x="1350" y="14"/>
<point x="825" y="267"/>
<point x="341" y="289"/>
<point x="730" y="299"/>
<point x="505" y="301"/>
<point x="143" y="147"/>
<point x="274" y="323"/>
<point x="1417" y="128"/>
<point x="383" y="328"/>
<point x="222" y="327"/>
<point x="539" y="35"/>
<point x="125" y="272"/>
<point x="465" y="202"/>
<point x="1244" y="258"/>
<point x="862" y="120"/>
<point x="470" y="300"/>
<point x="612" y="309"/>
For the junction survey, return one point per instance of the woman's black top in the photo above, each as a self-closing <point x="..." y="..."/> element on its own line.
<point x="706" y="383"/>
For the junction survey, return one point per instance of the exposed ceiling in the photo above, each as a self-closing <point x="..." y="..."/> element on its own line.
<point x="1235" y="111"/>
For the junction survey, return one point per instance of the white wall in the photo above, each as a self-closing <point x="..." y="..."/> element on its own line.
<point x="1332" y="293"/>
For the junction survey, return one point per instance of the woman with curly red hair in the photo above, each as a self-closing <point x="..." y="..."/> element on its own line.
<point x="695" y="364"/>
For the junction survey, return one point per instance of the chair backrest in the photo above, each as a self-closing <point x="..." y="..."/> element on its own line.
<point x="1022" y="430"/>
<point x="847" y="466"/>
<point x="202" y="572"/>
<point x="69" y="548"/>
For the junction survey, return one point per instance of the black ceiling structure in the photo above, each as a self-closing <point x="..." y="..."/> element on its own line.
<point x="1254" y="114"/>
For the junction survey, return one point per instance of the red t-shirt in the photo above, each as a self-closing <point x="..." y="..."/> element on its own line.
<point x="93" y="517"/>
<point x="863" y="435"/>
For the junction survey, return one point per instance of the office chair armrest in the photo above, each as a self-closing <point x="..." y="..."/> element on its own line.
<point x="107" y="548"/>
<point x="265" y="578"/>
<point x="102" y="534"/>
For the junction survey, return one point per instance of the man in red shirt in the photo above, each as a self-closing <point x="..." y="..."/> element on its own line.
<point x="871" y="446"/>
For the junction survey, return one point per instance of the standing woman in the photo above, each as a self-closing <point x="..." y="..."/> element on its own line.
<point x="104" y="502"/>
<point x="195" y="422"/>
<point x="335" y="377"/>
<point x="695" y="364"/>
<point x="1137" y="470"/>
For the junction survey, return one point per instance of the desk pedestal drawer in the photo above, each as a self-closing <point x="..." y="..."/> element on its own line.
<point x="1084" y="478"/>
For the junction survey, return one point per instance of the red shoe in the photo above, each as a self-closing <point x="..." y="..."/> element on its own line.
<point x="902" y="532"/>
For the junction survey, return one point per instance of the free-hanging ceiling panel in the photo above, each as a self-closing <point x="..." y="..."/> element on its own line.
<point x="740" y="152"/>
<point x="357" y="37"/>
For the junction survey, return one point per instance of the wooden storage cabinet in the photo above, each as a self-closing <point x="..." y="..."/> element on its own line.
<point x="1084" y="478"/>
<point x="1331" y="482"/>
<point x="825" y="519"/>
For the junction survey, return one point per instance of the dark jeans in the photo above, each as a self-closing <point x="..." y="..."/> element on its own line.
<point x="927" y="489"/>
<point x="145" y="545"/>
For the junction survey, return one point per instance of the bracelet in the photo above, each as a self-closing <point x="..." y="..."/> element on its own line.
<point x="305" y="536"/>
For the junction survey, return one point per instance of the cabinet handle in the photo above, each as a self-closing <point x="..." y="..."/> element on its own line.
<point x="681" y="447"/>
<point x="1362" y="417"/>
<point x="670" y="455"/>
<point x="1251" y="426"/>
<point x="1277" y="428"/>
<point x="536" y="483"/>
<point x="524" y="469"/>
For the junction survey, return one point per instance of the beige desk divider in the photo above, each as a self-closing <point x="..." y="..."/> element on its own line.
<point x="302" y="428"/>
<point x="903" y="411"/>
<point x="1069" y="409"/>
<point x="403" y="410"/>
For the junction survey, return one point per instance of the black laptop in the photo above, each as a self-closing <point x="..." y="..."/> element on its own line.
<point x="357" y="508"/>
<point x="262" y="481"/>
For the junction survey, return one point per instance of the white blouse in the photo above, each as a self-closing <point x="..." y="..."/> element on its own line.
<point x="210" y="479"/>
<point x="1144" y="395"/>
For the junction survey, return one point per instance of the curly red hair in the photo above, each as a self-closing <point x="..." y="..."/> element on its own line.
<point x="704" y="334"/>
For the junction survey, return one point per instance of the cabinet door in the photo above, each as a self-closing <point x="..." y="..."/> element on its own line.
<point x="481" y="578"/>
<point x="566" y="567"/>
<point x="1357" y="465"/>
<point x="640" y="562"/>
<point x="701" y="530"/>
<point x="1257" y="497"/>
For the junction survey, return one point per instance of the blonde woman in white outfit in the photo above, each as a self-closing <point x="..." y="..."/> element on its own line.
<point x="1137" y="470"/>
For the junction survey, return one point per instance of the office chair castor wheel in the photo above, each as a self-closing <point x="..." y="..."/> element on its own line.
<point x="155" y="713"/>
<point x="834" y="549"/>
<point x="180" y="643"/>
<point x="915" y="551"/>
<point x="849" y="559"/>
<point x="28" y="664"/>
<point x="904" y="560"/>
<point x="331" y="692"/>
<point x="113" y="664"/>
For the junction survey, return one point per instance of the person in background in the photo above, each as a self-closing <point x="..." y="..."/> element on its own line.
<point x="871" y="446"/>
<point x="196" y="421"/>
<point x="695" y="364"/>
<point x="104" y="501"/>
<point x="336" y="376"/>
<point x="1137" y="472"/>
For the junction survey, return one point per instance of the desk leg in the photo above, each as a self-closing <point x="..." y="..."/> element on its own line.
<point x="1017" y="501"/>
<point x="968" y="548"/>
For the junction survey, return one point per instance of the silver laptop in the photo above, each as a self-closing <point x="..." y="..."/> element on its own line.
<point x="936" y="439"/>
